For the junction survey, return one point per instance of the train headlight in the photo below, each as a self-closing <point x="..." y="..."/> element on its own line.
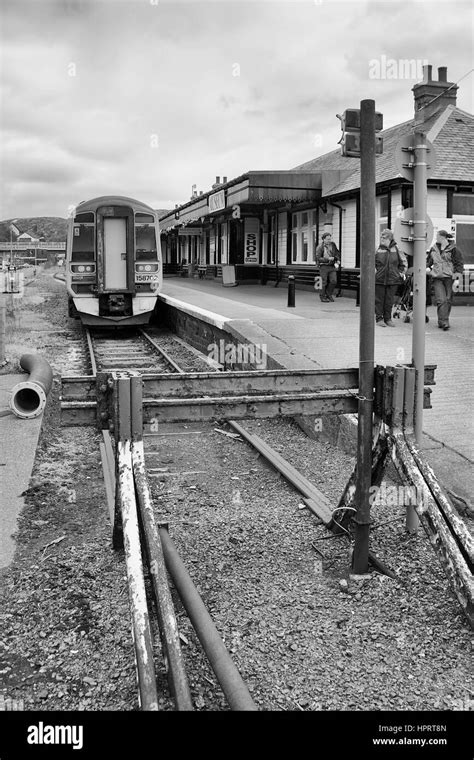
<point x="81" y="268"/>
<point x="148" y="268"/>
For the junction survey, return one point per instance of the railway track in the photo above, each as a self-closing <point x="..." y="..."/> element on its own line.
<point x="185" y="399"/>
<point x="146" y="540"/>
<point x="132" y="349"/>
<point x="135" y="351"/>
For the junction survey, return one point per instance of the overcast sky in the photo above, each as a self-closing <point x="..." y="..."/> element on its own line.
<point x="148" y="97"/>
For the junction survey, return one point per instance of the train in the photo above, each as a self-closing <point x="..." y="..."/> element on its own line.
<point x="113" y="261"/>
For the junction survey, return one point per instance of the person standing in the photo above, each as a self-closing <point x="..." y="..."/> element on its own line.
<point x="390" y="268"/>
<point x="328" y="259"/>
<point x="445" y="264"/>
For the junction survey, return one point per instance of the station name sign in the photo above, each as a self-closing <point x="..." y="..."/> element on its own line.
<point x="217" y="201"/>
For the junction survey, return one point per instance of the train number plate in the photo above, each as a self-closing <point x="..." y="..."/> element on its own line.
<point x="146" y="278"/>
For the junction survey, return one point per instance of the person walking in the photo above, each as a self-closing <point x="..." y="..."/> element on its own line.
<point x="445" y="264"/>
<point x="328" y="259"/>
<point x="390" y="270"/>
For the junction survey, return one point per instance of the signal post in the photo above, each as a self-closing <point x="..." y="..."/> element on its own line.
<point x="360" y="139"/>
<point x="415" y="159"/>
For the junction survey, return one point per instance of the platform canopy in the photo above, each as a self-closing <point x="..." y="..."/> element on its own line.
<point x="267" y="188"/>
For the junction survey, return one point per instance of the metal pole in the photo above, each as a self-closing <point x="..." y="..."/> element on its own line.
<point x="227" y="674"/>
<point x="291" y="290"/>
<point x="419" y="295"/>
<point x="360" y="560"/>
<point x="2" y="331"/>
<point x="419" y="276"/>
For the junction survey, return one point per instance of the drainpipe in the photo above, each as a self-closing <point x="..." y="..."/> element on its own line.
<point x="28" y="398"/>
<point x="277" y="250"/>
<point x="341" y="209"/>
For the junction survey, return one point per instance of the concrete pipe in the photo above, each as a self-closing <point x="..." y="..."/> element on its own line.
<point x="28" y="398"/>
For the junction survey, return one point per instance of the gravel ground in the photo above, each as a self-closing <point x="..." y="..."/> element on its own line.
<point x="303" y="634"/>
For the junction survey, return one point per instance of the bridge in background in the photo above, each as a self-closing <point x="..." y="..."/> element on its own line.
<point x="28" y="245"/>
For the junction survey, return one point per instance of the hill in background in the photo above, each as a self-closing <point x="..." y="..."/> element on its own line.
<point x="51" y="228"/>
<point x="162" y="211"/>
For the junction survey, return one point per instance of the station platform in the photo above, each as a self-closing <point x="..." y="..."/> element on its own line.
<point x="326" y="335"/>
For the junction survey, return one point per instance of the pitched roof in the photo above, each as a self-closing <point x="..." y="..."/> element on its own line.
<point x="451" y="131"/>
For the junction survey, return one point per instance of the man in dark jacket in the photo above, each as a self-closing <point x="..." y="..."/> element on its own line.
<point x="390" y="267"/>
<point x="445" y="264"/>
<point x="328" y="259"/>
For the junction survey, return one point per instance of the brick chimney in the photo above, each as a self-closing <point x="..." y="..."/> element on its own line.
<point x="424" y="92"/>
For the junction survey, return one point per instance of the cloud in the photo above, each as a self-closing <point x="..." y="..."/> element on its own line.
<point x="146" y="99"/>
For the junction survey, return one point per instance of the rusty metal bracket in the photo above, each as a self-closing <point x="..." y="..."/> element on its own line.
<point x="104" y="393"/>
<point x="395" y="391"/>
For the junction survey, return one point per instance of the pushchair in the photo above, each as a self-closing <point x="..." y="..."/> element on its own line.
<point x="404" y="305"/>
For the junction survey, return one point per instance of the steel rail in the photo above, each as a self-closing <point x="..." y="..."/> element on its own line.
<point x="141" y="632"/>
<point x="436" y="528"/>
<point x="461" y="534"/>
<point x="231" y="681"/>
<point x="161" y="351"/>
<point x="164" y="604"/>
<point x="91" y="351"/>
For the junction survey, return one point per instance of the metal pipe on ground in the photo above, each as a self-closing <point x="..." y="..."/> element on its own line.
<point x="164" y="603"/>
<point x="226" y="672"/>
<point x="28" y="398"/>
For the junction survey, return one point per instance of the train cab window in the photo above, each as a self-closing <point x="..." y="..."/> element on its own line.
<point x="86" y="218"/>
<point x="145" y="241"/>
<point x="144" y="219"/>
<point x="83" y="246"/>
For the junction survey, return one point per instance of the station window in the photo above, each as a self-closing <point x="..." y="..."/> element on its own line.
<point x="304" y="245"/>
<point x="382" y="216"/>
<point x="294" y="247"/>
<point x="314" y="244"/>
<point x="465" y="241"/>
<point x="304" y="234"/>
<point x="463" y="204"/>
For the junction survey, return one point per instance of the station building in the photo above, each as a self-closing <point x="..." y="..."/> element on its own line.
<point x="267" y="224"/>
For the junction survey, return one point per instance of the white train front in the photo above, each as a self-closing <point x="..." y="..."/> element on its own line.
<point x="113" y="261"/>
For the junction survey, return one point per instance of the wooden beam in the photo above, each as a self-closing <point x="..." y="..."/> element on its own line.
<point x="316" y="501"/>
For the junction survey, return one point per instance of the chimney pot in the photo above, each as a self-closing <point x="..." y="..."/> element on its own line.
<point x="224" y="180"/>
<point x="442" y="74"/>
<point x="218" y="180"/>
<point x="427" y="73"/>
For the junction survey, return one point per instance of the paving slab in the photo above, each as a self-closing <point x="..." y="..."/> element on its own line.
<point x="18" y="441"/>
